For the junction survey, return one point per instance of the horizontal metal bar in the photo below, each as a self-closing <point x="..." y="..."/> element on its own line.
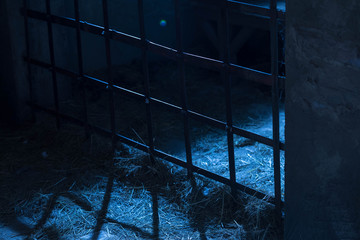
<point x="236" y="70"/>
<point x="251" y="74"/>
<point x="102" y="131"/>
<point x="211" y="64"/>
<point x="194" y="115"/>
<point x="246" y="8"/>
<point x="48" y="66"/>
<point x="162" y="50"/>
<point x="160" y="154"/>
<point x="94" y="81"/>
<point x="85" y="26"/>
<point x="218" y="124"/>
<point x="208" y="63"/>
<point x="215" y="177"/>
<point x="254" y="9"/>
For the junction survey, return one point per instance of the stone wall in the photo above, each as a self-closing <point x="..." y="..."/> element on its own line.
<point x="12" y="68"/>
<point x="323" y="120"/>
<point x="14" y="75"/>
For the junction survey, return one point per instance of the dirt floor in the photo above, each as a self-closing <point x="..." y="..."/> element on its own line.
<point x="62" y="185"/>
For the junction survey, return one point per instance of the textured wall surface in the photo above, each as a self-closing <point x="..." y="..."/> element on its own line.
<point x="5" y="66"/>
<point x="12" y="68"/>
<point x="323" y="120"/>
<point x="13" y="74"/>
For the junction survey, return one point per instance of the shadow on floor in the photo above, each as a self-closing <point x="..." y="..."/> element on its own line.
<point x="43" y="170"/>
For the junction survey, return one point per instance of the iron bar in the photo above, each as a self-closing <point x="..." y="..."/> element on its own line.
<point x="224" y="41"/>
<point x="81" y="66"/>
<point x="245" y="8"/>
<point x="275" y="107"/>
<point x="162" y="155"/>
<point x="27" y="56"/>
<point x="101" y="131"/>
<point x="52" y="62"/>
<point x="181" y="57"/>
<point x="145" y="66"/>
<point x="182" y="80"/>
<point x="194" y="115"/>
<point x="208" y="63"/>
<point x="110" y="86"/>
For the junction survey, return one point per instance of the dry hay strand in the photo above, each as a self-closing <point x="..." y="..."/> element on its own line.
<point x="42" y="165"/>
<point x="207" y="206"/>
<point x="253" y="161"/>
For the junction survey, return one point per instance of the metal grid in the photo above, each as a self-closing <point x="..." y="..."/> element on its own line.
<point x="224" y="66"/>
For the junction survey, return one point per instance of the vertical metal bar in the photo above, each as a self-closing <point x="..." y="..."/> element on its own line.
<point x="224" y="31"/>
<point x="29" y="72"/>
<point x="81" y="66"/>
<point x="275" y="107"/>
<point x="52" y="62"/>
<point x="109" y="72"/>
<point x="182" y="80"/>
<point x="145" y="64"/>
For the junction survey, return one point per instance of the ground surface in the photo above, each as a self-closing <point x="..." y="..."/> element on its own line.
<point x="60" y="185"/>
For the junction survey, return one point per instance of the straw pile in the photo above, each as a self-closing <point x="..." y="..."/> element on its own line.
<point x="61" y="185"/>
